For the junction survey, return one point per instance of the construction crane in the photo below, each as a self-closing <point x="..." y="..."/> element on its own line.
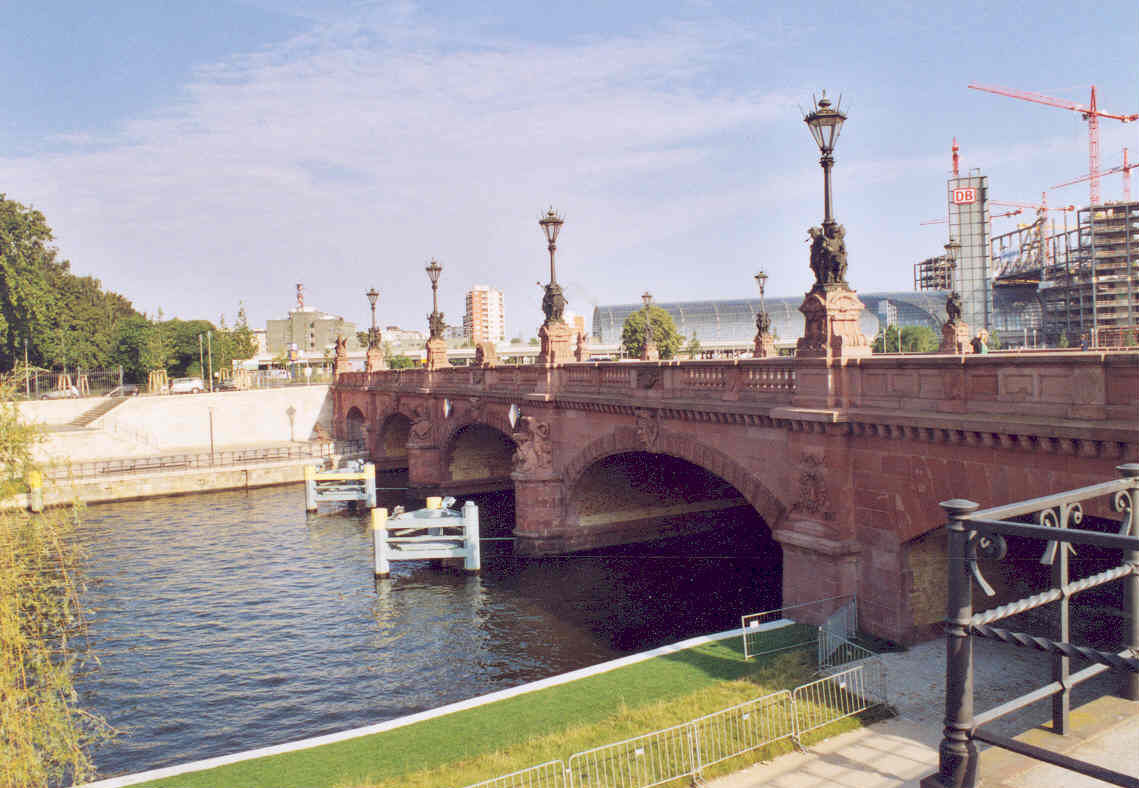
<point x="941" y="219"/>
<point x="1125" y="168"/>
<point x="1090" y="113"/>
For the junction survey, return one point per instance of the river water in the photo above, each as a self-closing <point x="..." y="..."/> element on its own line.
<point x="228" y="621"/>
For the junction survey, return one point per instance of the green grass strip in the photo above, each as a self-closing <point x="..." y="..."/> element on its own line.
<point x="498" y="726"/>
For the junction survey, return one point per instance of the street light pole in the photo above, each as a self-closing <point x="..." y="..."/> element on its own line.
<point x="210" y="352"/>
<point x="436" y="347"/>
<point x="649" y="350"/>
<point x="372" y="295"/>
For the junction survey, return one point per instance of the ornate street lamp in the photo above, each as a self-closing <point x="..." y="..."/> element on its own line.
<point x="436" y="347"/>
<point x="649" y="349"/>
<point x="825" y="124"/>
<point x="554" y="303"/>
<point x="764" y="341"/>
<point x="373" y="295"/>
<point x="434" y="320"/>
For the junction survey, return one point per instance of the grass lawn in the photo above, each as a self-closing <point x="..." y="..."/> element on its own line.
<point x="515" y="733"/>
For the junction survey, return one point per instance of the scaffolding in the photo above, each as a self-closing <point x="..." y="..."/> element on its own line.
<point x="1109" y="270"/>
<point x="934" y="273"/>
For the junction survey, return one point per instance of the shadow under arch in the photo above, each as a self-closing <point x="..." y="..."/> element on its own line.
<point x="391" y="441"/>
<point x="479" y="449"/>
<point x="626" y="440"/>
<point x="354" y="424"/>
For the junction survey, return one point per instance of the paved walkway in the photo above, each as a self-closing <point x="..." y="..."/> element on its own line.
<point x="903" y="750"/>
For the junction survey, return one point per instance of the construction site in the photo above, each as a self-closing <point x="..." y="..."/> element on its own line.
<point x="1052" y="281"/>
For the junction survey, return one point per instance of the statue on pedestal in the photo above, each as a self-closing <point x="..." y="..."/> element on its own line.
<point x="955" y="332"/>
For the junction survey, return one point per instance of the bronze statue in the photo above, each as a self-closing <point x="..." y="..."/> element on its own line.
<point x="828" y="254"/>
<point x="953" y="306"/>
<point x="554" y="304"/>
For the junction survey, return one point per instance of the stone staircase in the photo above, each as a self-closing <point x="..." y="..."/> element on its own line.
<point x="89" y="416"/>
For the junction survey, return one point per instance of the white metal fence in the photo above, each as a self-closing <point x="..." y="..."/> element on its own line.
<point x="686" y="750"/>
<point x="838" y="614"/>
<point x="551" y="774"/>
<point x="838" y="696"/>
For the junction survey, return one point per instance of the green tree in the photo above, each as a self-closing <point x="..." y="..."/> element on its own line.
<point x="400" y="361"/>
<point x="693" y="347"/>
<point x="46" y="737"/>
<point x="65" y="319"/>
<point x="915" y="339"/>
<point x="665" y="335"/>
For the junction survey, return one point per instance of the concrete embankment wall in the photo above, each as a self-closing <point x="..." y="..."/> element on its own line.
<point x="157" y="424"/>
<point x="129" y="487"/>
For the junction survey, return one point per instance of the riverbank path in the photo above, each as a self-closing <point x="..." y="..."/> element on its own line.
<point x="901" y="751"/>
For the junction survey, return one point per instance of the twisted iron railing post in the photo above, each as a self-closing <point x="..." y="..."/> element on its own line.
<point x="957" y="754"/>
<point x="1131" y="584"/>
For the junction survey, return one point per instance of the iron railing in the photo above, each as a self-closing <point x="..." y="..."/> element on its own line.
<point x="551" y="774"/>
<point x="197" y="460"/>
<point x="977" y="534"/>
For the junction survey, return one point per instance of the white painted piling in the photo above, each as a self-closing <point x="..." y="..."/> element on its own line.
<point x="380" y="542"/>
<point x="370" y="484"/>
<point x="472" y="561"/>
<point x="310" y="488"/>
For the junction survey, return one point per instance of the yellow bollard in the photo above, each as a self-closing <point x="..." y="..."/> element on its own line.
<point x="35" y="491"/>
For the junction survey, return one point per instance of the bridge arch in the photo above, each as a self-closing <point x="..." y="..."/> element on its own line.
<point x="354" y="424"/>
<point x="627" y="440"/>
<point x="391" y="439"/>
<point x="479" y="449"/>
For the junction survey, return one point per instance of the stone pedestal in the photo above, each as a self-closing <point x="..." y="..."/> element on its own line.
<point x="831" y="330"/>
<point x="649" y="352"/>
<point x="436" y="353"/>
<point x="374" y="360"/>
<point x="764" y="346"/>
<point x="956" y="337"/>
<point x="557" y="343"/>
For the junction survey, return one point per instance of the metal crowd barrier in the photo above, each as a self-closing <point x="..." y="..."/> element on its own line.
<point x="838" y="614"/>
<point x="687" y="749"/>
<point x="551" y="774"/>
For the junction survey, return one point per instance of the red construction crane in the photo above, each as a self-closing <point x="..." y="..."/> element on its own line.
<point x="1090" y="113"/>
<point x="941" y="220"/>
<point x="1125" y="168"/>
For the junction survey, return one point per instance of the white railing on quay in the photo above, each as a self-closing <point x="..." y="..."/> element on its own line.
<point x="747" y="726"/>
<point x="839" y="614"/>
<point x="687" y="749"/>
<point x="643" y="761"/>
<point x="838" y="696"/>
<point x="551" y="774"/>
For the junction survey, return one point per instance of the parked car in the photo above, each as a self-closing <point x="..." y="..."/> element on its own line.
<point x="186" y="386"/>
<point x="227" y="384"/>
<point x="66" y="393"/>
<point x="125" y="390"/>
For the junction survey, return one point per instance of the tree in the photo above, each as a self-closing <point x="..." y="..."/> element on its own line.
<point x="915" y="339"/>
<point x="64" y="319"/>
<point x="693" y="347"/>
<point x="665" y="335"/>
<point x="46" y="736"/>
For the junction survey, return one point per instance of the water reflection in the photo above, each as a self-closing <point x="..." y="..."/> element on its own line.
<point x="227" y="621"/>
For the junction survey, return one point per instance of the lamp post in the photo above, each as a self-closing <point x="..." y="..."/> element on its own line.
<point x="554" y="334"/>
<point x="436" y="346"/>
<point x="832" y="310"/>
<point x="433" y="321"/>
<point x="554" y="302"/>
<point x="764" y="341"/>
<point x="373" y="295"/>
<point x="374" y="357"/>
<point x="649" y="350"/>
<point x="825" y="124"/>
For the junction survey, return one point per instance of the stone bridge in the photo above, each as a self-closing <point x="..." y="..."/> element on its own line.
<point x="845" y="460"/>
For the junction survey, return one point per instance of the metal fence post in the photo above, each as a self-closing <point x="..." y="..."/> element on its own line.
<point x="1131" y="583"/>
<point x="957" y="754"/>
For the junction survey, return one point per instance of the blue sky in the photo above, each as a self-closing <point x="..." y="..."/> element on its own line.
<point x="194" y="155"/>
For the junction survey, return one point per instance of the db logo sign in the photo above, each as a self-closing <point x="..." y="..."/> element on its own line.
<point x="964" y="196"/>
